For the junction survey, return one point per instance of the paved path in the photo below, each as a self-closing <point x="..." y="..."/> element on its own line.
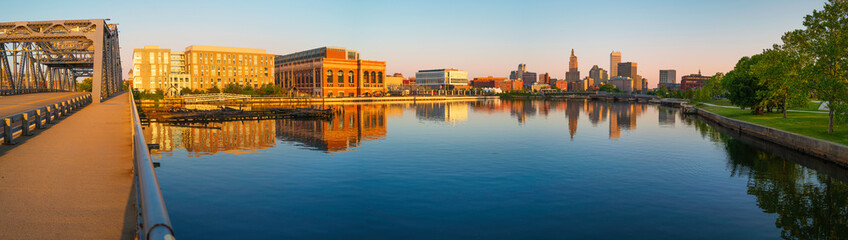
<point x="710" y="104"/>
<point x="18" y="103"/>
<point x="72" y="180"/>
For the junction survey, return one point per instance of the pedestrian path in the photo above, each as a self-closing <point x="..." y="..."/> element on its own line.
<point x="72" y="180"/>
<point x="802" y="111"/>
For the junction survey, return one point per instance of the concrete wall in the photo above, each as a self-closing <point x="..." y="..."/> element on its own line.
<point x="828" y="150"/>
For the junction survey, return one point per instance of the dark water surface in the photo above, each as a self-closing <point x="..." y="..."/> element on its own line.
<point x="492" y="170"/>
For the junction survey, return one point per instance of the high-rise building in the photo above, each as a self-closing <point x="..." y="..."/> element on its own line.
<point x="546" y="78"/>
<point x="668" y="76"/>
<point x="330" y="71"/>
<point x="518" y="74"/>
<point x="615" y="59"/>
<point x="599" y="74"/>
<point x="442" y="78"/>
<point x="628" y="69"/>
<point x="211" y="66"/>
<point x="573" y="74"/>
<point x="529" y="79"/>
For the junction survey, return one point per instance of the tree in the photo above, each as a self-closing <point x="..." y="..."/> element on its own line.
<point x="213" y="89"/>
<point x="710" y="89"/>
<point x="608" y="88"/>
<point x="778" y="73"/>
<point x="825" y="40"/>
<point x="742" y="85"/>
<point x="232" y="88"/>
<point x="85" y="85"/>
<point x="185" y="91"/>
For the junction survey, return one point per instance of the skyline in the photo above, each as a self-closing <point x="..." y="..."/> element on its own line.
<point x="483" y="38"/>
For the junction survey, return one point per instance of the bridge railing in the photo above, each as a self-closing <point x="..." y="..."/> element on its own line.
<point x="4" y="92"/>
<point x="38" y="118"/>
<point x="153" y="222"/>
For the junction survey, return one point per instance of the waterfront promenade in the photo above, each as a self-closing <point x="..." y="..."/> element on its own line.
<point x="72" y="180"/>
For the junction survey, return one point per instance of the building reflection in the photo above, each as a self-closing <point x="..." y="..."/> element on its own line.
<point x="349" y="127"/>
<point x="620" y="116"/>
<point x="210" y="138"/>
<point x="451" y="112"/>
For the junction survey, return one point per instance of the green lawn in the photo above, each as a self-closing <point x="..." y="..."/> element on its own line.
<point x="809" y="124"/>
<point x="811" y="106"/>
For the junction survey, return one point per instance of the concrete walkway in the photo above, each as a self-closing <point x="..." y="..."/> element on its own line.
<point x="72" y="180"/>
<point x="722" y="106"/>
<point x="18" y="103"/>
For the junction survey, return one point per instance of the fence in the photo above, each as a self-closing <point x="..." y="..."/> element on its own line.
<point x="39" y="117"/>
<point x="153" y="221"/>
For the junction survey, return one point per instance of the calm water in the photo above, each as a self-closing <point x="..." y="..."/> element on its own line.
<point x="492" y="170"/>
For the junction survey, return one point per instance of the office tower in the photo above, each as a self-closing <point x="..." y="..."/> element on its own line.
<point x="615" y="59"/>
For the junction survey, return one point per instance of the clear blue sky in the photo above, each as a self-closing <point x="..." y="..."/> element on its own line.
<point x="482" y="37"/>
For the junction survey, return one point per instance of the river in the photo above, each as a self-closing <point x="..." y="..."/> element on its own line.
<point x="492" y="169"/>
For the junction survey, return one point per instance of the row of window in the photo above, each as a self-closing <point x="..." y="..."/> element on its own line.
<point x="373" y="77"/>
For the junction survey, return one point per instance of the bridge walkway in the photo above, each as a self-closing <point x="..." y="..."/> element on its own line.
<point x="73" y="180"/>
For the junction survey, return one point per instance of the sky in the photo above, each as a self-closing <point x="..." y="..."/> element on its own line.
<point x="484" y="38"/>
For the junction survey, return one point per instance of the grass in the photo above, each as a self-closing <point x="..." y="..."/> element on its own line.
<point x="811" y="106"/>
<point x="808" y="124"/>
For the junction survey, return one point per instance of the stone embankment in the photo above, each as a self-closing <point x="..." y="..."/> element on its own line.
<point x="828" y="150"/>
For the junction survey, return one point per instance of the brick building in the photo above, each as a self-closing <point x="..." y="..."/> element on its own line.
<point x="330" y="72"/>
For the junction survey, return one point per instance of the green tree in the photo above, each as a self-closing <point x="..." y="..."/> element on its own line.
<point x="710" y="89"/>
<point x="85" y="85"/>
<point x="213" y="89"/>
<point x="232" y="88"/>
<point x="608" y="88"/>
<point x="825" y="40"/>
<point x="742" y="85"/>
<point x="185" y="91"/>
<point x="778" y="73"/>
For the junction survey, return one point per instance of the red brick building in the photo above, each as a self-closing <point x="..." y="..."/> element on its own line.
<point x="330" y="72"/>
<point x="501" y="83"/>
<point x="693" y="81"/>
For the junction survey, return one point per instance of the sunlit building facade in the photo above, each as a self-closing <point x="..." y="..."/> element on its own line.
<point x="330" y="72"/>
<point x="211" y="66"/>
<point x="443" y="78"/>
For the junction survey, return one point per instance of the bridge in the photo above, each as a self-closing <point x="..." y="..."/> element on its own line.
<point x="600" y="95"/>
<point x="73" y="165"/>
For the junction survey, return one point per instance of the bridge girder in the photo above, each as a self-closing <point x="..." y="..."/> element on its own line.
<point x="50" y="55"/>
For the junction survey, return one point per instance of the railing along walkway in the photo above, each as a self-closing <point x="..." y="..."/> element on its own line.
<point x="73" y="180"/>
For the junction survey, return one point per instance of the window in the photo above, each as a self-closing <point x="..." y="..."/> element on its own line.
<point x="330" y="76"/>
<point x="365" y="77"/>
<point x="380" y="77"/>
<point x="350" y="77"/>
<point x="341" y="76"/>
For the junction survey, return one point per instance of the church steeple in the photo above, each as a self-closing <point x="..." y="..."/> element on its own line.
<point x="572" y="52"/>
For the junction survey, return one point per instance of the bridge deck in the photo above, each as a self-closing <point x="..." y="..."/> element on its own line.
<point x="72" y="180"/>
<point x="18" y="103"/>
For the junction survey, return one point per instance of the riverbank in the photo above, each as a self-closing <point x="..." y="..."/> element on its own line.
<point x="794" y="132"/>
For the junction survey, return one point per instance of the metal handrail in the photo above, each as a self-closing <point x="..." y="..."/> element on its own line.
<point x="154" y="222"/>
<point x="39" y="117"/>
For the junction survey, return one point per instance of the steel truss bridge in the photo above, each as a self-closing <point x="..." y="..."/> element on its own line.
<point x="48" y="56"/>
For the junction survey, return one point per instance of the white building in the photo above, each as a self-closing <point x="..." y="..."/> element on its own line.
<point x="441" y="78"/>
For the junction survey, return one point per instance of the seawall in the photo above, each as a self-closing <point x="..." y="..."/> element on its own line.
<point x="827" y="150"/>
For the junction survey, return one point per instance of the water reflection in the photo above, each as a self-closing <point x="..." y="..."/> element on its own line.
<point x="350" y="125"/>
<point x="809" y="196"/>
<point x="354" y="123"/>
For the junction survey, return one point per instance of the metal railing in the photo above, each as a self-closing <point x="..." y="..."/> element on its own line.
<point x="153" y="220"/>
<point x="4" y="92"/>
<point x="39" y="117"/>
